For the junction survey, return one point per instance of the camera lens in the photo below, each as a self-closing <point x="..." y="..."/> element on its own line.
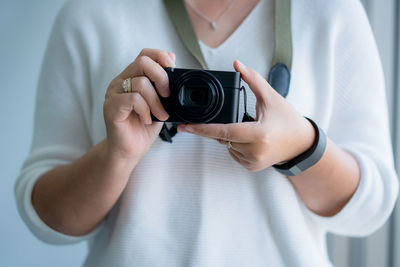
<point x="195" y="97"/>
<point x="200" y="96"/>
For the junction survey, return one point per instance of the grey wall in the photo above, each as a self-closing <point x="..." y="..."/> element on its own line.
<point x="24" y="30"/>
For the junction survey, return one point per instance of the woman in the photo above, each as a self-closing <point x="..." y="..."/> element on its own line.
<point x="140" y="201"/>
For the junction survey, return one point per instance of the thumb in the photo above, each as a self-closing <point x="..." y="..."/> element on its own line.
<point x="256" y="82"/>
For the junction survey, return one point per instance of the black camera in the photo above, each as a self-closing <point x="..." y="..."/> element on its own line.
<point x="202" y="96"/>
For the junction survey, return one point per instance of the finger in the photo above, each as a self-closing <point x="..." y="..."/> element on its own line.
<point x="239" y="159"/>
<point x="256" y="82"/>
<point x="115" y="87"/>
<point x="149" y="63"/>
<point x="243" y="132"/>
<point x="141" y="108"/>
<point x="173" y="56"/>
<point x="119" y="107"/>
<point x="241" y="148"/>
<point x="143" y="86"/>
<point x="155" y="128"/>
<point x="165" y="59"/>
<point x="161" y="57"/>
<point x="145" y="66"/>
<point x="238" y="154"/>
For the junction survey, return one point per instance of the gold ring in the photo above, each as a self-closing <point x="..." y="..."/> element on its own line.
<point x="127" y="85"/>
<point x="228" y="145"/>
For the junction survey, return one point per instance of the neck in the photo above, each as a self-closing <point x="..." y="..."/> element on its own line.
<point x="210" y="8"/>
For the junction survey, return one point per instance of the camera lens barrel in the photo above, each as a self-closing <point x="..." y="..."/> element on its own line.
<point x="198" y="96"/>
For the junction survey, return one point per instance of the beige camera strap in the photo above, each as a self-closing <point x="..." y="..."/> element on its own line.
<point x="183" y="25"/>
<point x="283" y="35"/>
<point x="279" y="75"/>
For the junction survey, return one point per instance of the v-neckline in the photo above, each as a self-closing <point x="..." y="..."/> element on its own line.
<point x="234" y="34"/>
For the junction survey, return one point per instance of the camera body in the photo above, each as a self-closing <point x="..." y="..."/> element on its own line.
<point x="202" y="96"/>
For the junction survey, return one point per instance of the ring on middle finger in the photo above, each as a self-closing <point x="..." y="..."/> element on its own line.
<point x="127" y="85"/>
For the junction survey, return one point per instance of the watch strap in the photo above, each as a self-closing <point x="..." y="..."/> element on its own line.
<point x="308" y="158"/>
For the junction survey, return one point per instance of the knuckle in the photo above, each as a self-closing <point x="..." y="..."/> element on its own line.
<point x="143" y="51"/>
<point x="161" y="81"/>
<point x="146" y="110"/>
<point x="163" y="56"/>
<point x="139" y="103"/>
<point x="143" y="60"/>
<point x="224" y="133"/>
<point x="258" y="156"/>
<point x="141" y="82"/>
<point x="164" y="79"/>
<point x="263" y="137"/>
<point x="135" y="98"/>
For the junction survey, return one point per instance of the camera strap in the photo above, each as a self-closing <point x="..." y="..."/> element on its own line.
<point x="279" y="74"/>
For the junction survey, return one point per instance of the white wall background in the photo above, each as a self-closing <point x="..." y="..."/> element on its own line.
<point x="382" y="248"/>
<point x="24" y="30"/>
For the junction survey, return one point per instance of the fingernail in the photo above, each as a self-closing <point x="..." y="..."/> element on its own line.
<point x="172" y="56"/>
<point x="171" y="64"/>
<point x="166" y="92"/>
<point x="165" y="116"/>
<point x="171" y="60"/>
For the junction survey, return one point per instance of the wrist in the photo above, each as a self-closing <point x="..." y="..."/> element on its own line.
<point x="304" y="137"/>
<point x="307" y="158"/>
<point x="308" y="137"/>
<point x="109" y="155"/>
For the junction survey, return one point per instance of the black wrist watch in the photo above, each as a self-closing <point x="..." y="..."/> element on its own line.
<point x="308" y="158"/>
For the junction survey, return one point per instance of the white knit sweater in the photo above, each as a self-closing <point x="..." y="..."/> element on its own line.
<point x="189" y="203"/>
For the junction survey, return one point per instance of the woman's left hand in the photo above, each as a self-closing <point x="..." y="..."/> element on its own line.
<point x="278" y="133"/>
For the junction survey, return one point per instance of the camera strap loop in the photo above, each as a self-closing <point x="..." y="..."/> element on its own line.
<point x="168" y="131"/>
<point x="246" y="116"/>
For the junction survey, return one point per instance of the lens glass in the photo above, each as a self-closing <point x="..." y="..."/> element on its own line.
<point x="199" y="96"/>
<point x="195" y="96"/>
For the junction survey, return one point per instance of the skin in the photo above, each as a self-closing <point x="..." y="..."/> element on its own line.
<point x="75" y="198"/>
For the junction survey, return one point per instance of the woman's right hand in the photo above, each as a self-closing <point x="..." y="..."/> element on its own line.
<point x="130" y="130"/>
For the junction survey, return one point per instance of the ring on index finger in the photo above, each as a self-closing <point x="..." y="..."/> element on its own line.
<point x="228" y="145"/>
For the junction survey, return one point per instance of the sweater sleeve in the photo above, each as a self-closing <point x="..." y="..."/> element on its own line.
<point x="360" y="125"/>
<point x="62" y="113"/>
